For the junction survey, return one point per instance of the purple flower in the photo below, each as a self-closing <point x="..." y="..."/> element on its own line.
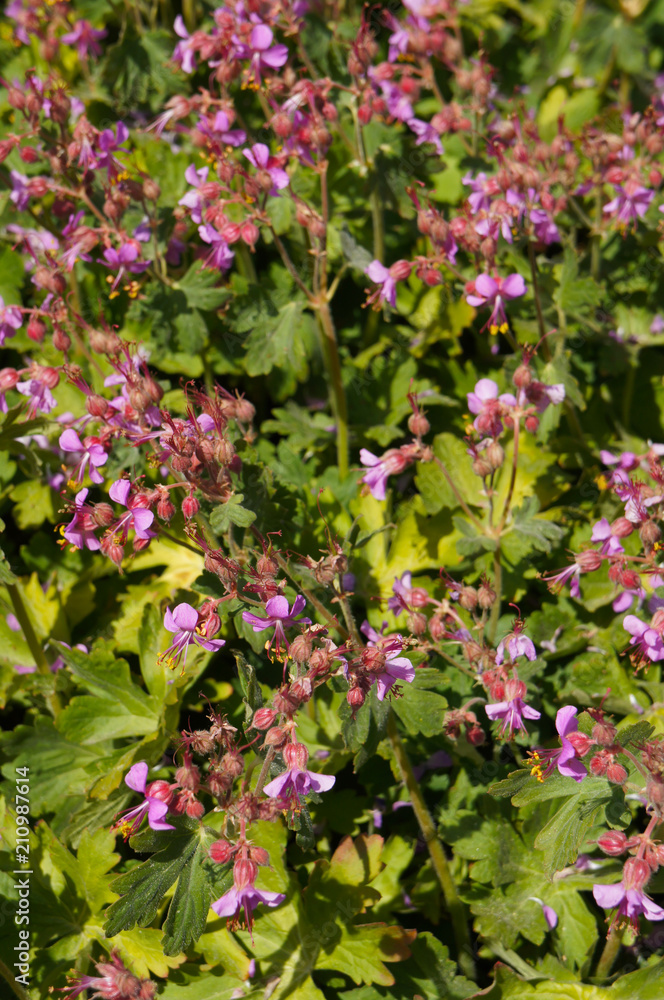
<point x="647" y="642"/>
<point x="245" y="900"/>
<point x="220" y="130"/>
<point x="261" y="52"/>
<point x="93" y="455"/>
<point x="20" y="195"/>
<point x="631" y="203"/>
<point x="512" y="712"/>
<point x="401" y="589"/>
<point x="155" y="809"/>
<point x="483" y="188"/>
<point x="381" y="276"/>
<point x="564" y="759"/>
<point x="192" y="199"/>
<point x="85" y="38"/>
<point x="259" y="157"/>
<point x="602" y="533"/>
<point x="184" y="53"/>
<point x="493" y="292"/>
<point x="279" y="616"/>
<point x="631" y="902"/>
<point x="110" y="143"/>
<point x="125" y="260"/>
<point x="544" y="228"/>
<point x="396" y="668"/>
<point x="40" y="396"/>
<point x="425" y="132"/>
<point x="556" y="581"/>
<point x="11" y="320"/>
<point x="390" y="464"/>
<point x="221" y="256"/>
<point x="541" y="395"/>
<point x="184" y="621"/>
<point x="80" y="532"/>
<point x="517" y="645"/>
<point x="140" y="518"/>
<point x="297" y="781"/>
<point x="489" y="406"/>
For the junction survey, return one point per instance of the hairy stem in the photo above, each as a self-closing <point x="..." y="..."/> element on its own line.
<point x="33" y="643"/>
<point x="269" y="757"/>
<point x="8" y="976"/>
<point x="609" y="954"/>
<point x="338" y="396"/>
<point x="454" y="905"/>
<point x="462" y="503"/>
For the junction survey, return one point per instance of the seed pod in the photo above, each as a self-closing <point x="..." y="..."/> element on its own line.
<point x="220" y="852"/>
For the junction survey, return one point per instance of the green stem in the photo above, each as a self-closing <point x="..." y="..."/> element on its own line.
<point x="610" y="953"/>
<point x="333" y="366"/>
<point x="349" y="619"/>
<point x="536" y="293"/>
<point x="596" y="245"/>
<point x="628" y="394"/>
<point x="454" y="905"/>
<point x="378" y="224"/>
<point x="34" y="645"/>
<point x="269" y="757"/>
<point x="498" y="588"/>
<point x="510" y="491"/>
<point x="8" y="976"/>
<point x="460" y="500"/>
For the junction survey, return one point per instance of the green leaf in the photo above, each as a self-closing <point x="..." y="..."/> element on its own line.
<point x="420" y="711"/>
<point x="142" y="889"/>
<point x="574" y="294"/>
<point x="231" y="512"/>
<point x="199" y="287"/>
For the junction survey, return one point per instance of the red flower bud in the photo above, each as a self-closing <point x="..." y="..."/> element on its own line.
<point x="616" y="773"/>
<point x="636" y="873"/>
<point x="220" y="852"/>
<point x="245" y="873"/>
<point x="613" y="842"/>
<point x="263" y="718"/>
<point x="190" y="507"/>
<point x="160" y="790"/>
<point x="296" y="756"/>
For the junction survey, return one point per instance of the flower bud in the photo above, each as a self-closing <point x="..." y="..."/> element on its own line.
<point x="233" y="763"/>
<point x="36" y="330"/>
<point x="522" y="377"/>
<point x="245" y="873"/>
<point x="165" y="509"/>
<point x="355" y="697"/>
<point x="301" y="689"/>
<point x="616" y="773"/>
<point x="621" y="527"/>
<point x="417" y="623"/>
<point x="588" y="561"/>
<point x="61" y="339"/>
<point x="220" y="852"/>
<point x="580" y="742"/>
<point x="160" y="790"/>
<point x="475" y="735"/>
<point x="9" y="378"/>
<point x="103" y="514"/>
<point x="259" y="855"/>
<point x="418" y="424"/>
<point x="151" y="189"/>
<point x="263" y="718"/>
<point x="482" y="467"/>
<point x="296" y="756"/>
<point x="494" y="455"/>
<point x="275" y="737"/>
<point x="613" y="842"/>
<point x="373" y="659"/>
<point x="400" y="270"/>
<point x="468" y="598"/>
<point x="190" y="507"/>
<point x="486" y="596"/>
<point x="532" y="423"/>
<point x="636" y="874"/>
<point x="604" y="733"/>
<point x="437" y="628"/>
<point x="649" y="533"/>
<point x="514" y="688"/>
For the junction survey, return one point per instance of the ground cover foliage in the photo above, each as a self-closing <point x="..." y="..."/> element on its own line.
<point x="331" y="436"/>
